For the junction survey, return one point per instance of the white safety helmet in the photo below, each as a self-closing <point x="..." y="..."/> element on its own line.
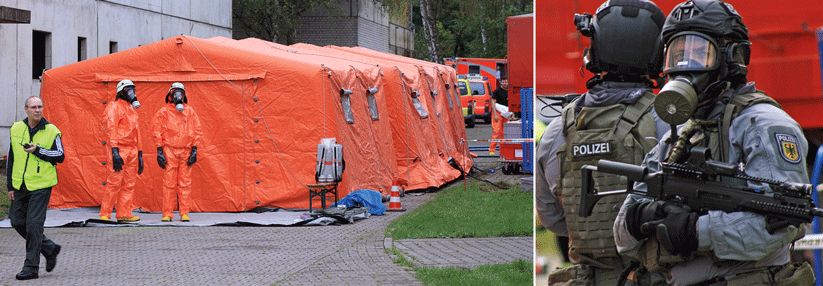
<point x="123" y="84"/>
<point x="177" y="85"/>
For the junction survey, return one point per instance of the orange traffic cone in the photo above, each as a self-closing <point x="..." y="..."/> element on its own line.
<point x="394" y="202"/>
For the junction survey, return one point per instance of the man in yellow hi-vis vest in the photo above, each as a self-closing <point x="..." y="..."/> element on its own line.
<point x="34" y="152"/>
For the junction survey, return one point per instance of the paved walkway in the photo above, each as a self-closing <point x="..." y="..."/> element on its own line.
<point x="352" y="254"/>
<point x="339" y="255"/>
<point x="465" y="252"/>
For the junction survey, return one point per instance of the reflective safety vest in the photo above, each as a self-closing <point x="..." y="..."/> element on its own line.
<point x="622" y="133"/>
<point x="37" y="174"/>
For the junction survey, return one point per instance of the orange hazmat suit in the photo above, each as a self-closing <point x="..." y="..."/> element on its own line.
<point x="498" y="125"/>
<point x="120" y="122"/>
<point x="176" y="132"/>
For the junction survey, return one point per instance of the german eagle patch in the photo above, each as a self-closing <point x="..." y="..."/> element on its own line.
<point x="787" y="145"/>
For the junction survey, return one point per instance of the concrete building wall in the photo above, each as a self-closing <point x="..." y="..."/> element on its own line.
<point x="129" y="23"/>
<point x="317" y="31"/>
<point x="401" y="40"/>
<point x="373" y="26"/>
<point x="360" y="23"/>
<point x="373" y="35"/>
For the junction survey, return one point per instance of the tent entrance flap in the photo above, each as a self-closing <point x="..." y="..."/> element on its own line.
<point x="182" y="77"/>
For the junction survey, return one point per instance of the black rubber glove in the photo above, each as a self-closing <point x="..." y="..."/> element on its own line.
<point x="193" y="157"/>
<point x="116" y="160"/>
<point x="140" y="162"/>
<point x="161" y="160"/>
<point x="773" y="224"/>
<point x="678" y="233"/>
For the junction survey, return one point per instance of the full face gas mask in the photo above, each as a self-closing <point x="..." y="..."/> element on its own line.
<point x="178" y="97"/>
<point x="129" y="94"/>
<point x="699" y="69"/>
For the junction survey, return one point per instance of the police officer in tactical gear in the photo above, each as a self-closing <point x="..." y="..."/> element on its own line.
<point x="707" y="50"/>
<point x="612" y="121"/>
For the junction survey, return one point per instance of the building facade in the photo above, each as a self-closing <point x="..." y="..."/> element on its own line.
<point x="353" y="23"/>
<point x="65" y="32"/>
<point x="359" y="23"/>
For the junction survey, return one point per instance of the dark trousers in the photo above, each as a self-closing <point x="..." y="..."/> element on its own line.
<point x="28" y="214"/>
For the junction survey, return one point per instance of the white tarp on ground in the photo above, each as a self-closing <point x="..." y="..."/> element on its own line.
<point x="89" y="217"/>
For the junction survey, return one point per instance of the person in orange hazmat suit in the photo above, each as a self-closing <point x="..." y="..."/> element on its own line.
<point x="499" y="96"/>
<point x="120" y="122"/>
<point x="176" y="130"/>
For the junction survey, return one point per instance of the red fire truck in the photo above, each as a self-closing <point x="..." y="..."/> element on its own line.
<point x="490" y="69"/>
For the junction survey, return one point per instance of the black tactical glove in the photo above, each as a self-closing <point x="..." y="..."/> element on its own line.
<point x="678" y="233"/>
<point x="117" y="161"/>
<point x="193" y="157"/>
<point x="140" y="162"/>
<point x="773" y="224"/>
<point x="161" y="160"/>
<point x="641" y="213"/>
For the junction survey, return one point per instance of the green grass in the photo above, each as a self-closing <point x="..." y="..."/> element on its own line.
<point x="5" y="203"/>
<point x="515" y="273"/>
<point x="399" y="259"/>
<point x="479" y="211"/>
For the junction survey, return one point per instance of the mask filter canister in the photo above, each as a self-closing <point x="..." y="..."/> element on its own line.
<point x="676" y="102"/>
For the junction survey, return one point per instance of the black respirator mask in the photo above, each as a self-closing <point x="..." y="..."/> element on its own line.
<point x="178" y="97"/>
<point x="698" y="71"/>
<point x="129" y="94"/>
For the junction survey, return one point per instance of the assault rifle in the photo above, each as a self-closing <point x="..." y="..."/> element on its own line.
<point x="704" y="184"/>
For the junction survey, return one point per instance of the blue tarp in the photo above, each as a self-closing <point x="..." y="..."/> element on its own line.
<point x="366" y="198"/>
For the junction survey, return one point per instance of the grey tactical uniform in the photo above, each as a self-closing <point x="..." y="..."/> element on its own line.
<point x="738" y="241"/>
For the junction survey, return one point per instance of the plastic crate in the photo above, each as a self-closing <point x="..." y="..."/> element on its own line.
<point x="512" y="130"/>
<point x="511" y="151"/>
<point x="527" y="127"/>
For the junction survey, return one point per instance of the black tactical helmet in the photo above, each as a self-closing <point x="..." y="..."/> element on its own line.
<point x="711" y="17"/>
<point x="625" y="38"/>
<point x="724" y="27"/>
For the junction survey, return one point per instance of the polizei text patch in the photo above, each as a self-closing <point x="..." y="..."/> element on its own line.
<point x="591" y="149"/>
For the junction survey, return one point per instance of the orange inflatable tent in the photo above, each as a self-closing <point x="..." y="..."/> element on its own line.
<point x="264" y="108"/>
<point x="414" y="140"/>
<point x="441" y="82"/>
<point x="422" y="146"/>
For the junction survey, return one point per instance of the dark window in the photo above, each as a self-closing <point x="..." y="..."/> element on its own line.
<point x="112" y="47"/>
<point x="478" y="87"/>
<point x="462" y="86"/>
<point x="81" y="49"/>
<point x="501" y="69"/>
<point x="455" y="90"/>
<point x="40" y="53"/>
